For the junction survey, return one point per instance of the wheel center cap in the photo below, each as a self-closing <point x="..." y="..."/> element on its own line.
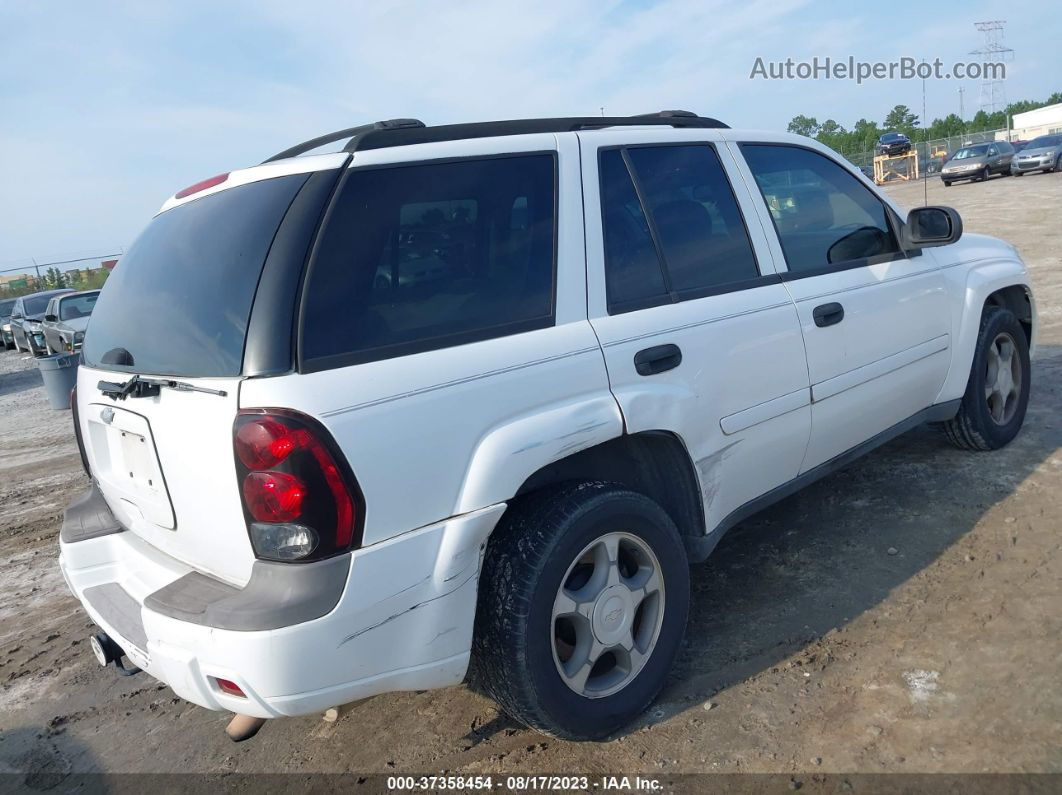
<point x="613" y="613"/>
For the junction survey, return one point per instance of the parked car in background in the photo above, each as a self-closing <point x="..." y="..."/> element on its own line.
<point x="978" y="162"/>
<point x="66" y="319"/>
<point x="599" y="344"/>
<point x="26" y="320"/>
<point x="1040" y="154"/>
<point x="5" y="323"/>
<point x="1019" y="145"/>
<point x="893" y="143"/>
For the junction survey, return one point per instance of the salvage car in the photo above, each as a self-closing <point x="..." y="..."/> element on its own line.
<point x="475" y="396"/>
<point x="977" y="163"/>
<point x="66" y="319"/>
<point x="1040" y="154"/>
<point x="27" y="316"/>
<point x="893" y="143"/>
<point x="5" y="323"/>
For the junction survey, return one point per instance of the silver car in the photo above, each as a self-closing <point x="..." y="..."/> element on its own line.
<point x="66" y="319"/>
<point x="977" y="162"/>
<point x="1040" y="154"/>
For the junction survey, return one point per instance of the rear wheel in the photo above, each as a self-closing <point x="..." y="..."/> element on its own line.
<point x="582" y="606"/>
<point x="1058" y="163"/>
<point x="947" y="183"/>
<point x="997" y="394"/>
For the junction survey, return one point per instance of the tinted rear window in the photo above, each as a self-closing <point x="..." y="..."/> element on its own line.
<point x="431" y="255"/>
<point x="179" y="301"/>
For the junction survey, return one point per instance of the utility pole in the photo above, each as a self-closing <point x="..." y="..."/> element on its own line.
<point x="962" y="109"/>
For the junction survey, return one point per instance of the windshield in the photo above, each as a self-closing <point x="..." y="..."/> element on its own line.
<point x="5" y="307"/>
<point x="1044" y="142"/>
<point x="891" y="137"/>
<point x="179" y="301"/>
<point x="77" y="306"/>
<point x="35" y="304"/>
<point x="970" y="151"/>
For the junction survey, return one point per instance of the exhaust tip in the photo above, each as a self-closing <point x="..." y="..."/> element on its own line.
<point x="104" y="649"/>
<point x="243" y="727"/>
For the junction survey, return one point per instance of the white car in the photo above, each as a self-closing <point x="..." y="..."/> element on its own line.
<point x="476" y="395"/>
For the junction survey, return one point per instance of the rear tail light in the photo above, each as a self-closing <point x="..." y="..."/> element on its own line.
<point x="300" y="499"/>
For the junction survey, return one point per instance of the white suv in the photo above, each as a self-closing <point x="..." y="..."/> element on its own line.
<point x="474" y="396"/>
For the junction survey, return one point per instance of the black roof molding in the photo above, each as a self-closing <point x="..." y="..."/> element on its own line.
<point x="403" y="132"/>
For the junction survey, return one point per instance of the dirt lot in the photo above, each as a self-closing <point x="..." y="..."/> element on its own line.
<point x="904" y="614"/>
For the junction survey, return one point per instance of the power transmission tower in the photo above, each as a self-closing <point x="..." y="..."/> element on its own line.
<point x="994" y="50"/>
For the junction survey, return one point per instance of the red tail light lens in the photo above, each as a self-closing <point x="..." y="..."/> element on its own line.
<point x="300" y="500"/>
<point x="201" y="186"/>
<point x="273" y="496"/>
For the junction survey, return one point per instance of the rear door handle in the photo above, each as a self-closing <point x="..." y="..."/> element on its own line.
<point x="657" y="359"/>
<point x="828" y="314"/>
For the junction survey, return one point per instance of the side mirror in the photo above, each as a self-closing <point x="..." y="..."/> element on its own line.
<point x="51" y="318"/>
<point x="931" y="226"/>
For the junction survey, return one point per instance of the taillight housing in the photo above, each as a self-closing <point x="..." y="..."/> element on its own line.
<point x="300" y="499"/>
<point x="201" y="186"/>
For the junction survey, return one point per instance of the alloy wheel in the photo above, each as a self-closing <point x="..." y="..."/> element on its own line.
<point x="607" y="615"/>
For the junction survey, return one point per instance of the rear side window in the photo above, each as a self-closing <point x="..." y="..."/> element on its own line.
<point x="179" y="301"/>
<point x="430" y="255"/>
<point x="824" y="215"/>
<point x="686" y="241"/>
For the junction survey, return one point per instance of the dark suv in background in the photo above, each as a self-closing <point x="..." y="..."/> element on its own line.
<point x="894" y="143"/>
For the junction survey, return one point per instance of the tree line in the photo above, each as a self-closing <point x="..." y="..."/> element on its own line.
<point x="864" y="134"/>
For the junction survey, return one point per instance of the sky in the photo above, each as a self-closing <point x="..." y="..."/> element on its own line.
<point x="108" y="108"/>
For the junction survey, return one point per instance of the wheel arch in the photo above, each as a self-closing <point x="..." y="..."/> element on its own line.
<point x="1002" y="283"/>
<point x="655" y="463"/>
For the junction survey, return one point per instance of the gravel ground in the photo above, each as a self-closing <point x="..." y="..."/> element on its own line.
<point x="903" y="615"/>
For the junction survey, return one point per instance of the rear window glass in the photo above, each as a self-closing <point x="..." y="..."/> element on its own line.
<point x="431" y="255"/>
<point x="77" y="306"/>
<point x="179" y="301"/>
<point x="5" y="307"/>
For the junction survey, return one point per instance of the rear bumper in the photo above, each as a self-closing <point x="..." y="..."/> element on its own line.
<point x="402" y="619"/>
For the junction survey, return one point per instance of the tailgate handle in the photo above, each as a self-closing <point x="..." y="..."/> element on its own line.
<point x="657" y="359"/>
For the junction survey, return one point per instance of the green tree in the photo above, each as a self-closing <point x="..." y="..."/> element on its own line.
<point x="804" y="125"/>
<point x="901" y="119"/>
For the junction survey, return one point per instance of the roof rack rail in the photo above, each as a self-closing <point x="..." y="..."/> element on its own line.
<point x="403" y="132"/>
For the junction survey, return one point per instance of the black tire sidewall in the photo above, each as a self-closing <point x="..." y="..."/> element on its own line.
<point x="599" y="717"/>
<point x="996" y="435"/>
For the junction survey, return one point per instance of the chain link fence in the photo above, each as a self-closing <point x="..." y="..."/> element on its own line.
<point x="931" y="154"/>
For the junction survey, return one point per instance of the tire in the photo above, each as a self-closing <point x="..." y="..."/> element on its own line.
<point x="1019" y="173"/>
<point x="985" y="421"/>
<point x="947" y="183"/>
<point x="1058" y="163"/>
<point x="536" y="557"/>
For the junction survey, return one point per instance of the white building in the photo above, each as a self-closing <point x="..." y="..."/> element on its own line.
<point x="1042" y="121"/>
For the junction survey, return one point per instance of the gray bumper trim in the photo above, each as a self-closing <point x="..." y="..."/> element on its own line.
<point x="277" y="595"/>
<point x="120" y="611"/>
<point x="87" y="517"/>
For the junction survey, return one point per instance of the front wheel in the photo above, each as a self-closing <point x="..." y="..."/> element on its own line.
<point x="1058" y="163"/>
<point x="582" y="606"/>
<point x="997" y="394"/>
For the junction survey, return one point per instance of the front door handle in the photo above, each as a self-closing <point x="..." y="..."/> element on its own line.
<point x="828" y="314"/>
<point x="657" y="359"/>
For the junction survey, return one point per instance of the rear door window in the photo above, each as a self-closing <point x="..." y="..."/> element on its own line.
<point x="430" y="255"/>
<point x="179" y="300"/>
<point x="673" y="230"/>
